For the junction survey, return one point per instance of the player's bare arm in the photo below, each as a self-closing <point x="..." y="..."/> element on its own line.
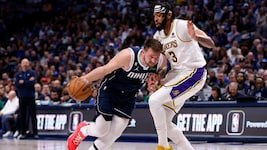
<point x="163" y="68"/>
<point x="199" y="36"/>
<point x="121" y="60"/>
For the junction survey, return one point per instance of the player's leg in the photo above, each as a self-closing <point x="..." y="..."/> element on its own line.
<point x="123" y="109"/>
<point x="156" y="101"/>
<point x="118" y="125"/>
<point x="98" y="129"/>
<point x="175" y="134"/>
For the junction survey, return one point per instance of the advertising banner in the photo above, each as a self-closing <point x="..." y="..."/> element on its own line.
<point x="230" y="121"/>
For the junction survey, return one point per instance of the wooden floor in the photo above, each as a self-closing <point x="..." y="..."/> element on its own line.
<point x="14" y="144"/>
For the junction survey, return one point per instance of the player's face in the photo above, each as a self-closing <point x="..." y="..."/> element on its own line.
<point x="151" y="57"/>
<point x="158" y="19"/>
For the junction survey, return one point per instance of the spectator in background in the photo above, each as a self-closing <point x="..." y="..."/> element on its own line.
<point x="233" y="34"/>
<point x="232" y="92"/>
<point x="9" y="109"/>
<point x="92" y="99"/>
<point x="251" y="80"/>
<point x="260" y="90"/>
<point x="51" y="40"/>
<point x="222" y="81"/>
<point x="241" y="79"/>
<point x="24" y="81"/>
<point x="261" y="17"/>
<point x="12" y="125"/>
<point x="38" y="92"/>
<point x="215" y="94"/>
<point x="212" y="79"/>
<point x="65" y="98"/>
<point x="263" y="63"/>
<point x="220" y="38"/>
<point x="6" y="79"/>
<point x="55" y="96"/>
<point x="3" y="97"/>
<point x="265" y="77"/>
<point x="203" y="94"/>
<point x="233" y="54"/>
<point x="46" y="90"/>
<point x="253" y="62"/>
<point x="227" y="67"/>
<point x="255" y="42"/>
<point x="237" y="68"/>
<point x="57" y="86"/>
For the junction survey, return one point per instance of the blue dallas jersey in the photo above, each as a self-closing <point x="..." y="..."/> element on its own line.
<point x="129" y="80"/>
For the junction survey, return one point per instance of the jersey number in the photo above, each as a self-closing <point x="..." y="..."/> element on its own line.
<point x="173" y="57"/>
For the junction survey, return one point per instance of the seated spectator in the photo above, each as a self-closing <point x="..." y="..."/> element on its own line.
<point x="203" y="94"/>
<point x="263" y="63"/>
<point x="265" y="77"/>
<point x="3" y="97"/>
<point x="38" y="92"/>
<point x="233" y="54"/>
<point x="260" y="90"/>
<point x="222" y="81"/>
<point x="241" y="79"/>
<point x="46" y="90"/>
<point x="232" y="92"/>
<point x="12" y="125"/>
<point x="9" y="109"/>
<point x="215" y="94"/>
<point x="65" y="98"/>
<point x="232" y="76"/>
<point x="92" y="99"/>
<point x="55" y="96"/>
<point x="212" y="79"/>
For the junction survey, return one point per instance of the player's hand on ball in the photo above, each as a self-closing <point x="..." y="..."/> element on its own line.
<point x="79" y="89"/>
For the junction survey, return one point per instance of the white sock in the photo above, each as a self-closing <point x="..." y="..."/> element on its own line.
<point x="118" y="125"/>
<point x="98" y="129"/>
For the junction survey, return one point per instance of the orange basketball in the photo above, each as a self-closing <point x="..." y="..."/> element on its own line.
<point x="79" y="89"/>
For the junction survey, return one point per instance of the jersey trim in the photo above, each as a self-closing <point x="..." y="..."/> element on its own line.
<point x="132" y="60"/>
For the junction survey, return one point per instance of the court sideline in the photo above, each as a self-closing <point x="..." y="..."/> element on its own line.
<point x="14" y="144"/>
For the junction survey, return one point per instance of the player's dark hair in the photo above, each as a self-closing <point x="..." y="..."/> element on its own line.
<point x="164" y="8"/>
<point x="169" y="7"/>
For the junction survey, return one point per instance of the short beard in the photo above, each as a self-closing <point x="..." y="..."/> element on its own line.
<point x="163" y="25"/>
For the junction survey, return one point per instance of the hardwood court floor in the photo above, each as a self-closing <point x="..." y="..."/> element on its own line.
<point x="14" y="144"/>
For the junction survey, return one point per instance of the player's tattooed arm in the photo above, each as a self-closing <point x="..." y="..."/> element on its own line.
<point x="205" y="41"/>
<point x="199" y="35"/>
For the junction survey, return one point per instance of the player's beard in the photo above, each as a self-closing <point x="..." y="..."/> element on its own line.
<point x="163" y="24"/>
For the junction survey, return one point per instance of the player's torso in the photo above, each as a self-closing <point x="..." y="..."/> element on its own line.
<point x="131" y="79"/>
<point x="180" y="50"/>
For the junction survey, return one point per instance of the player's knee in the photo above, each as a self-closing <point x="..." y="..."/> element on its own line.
<point x="152" y="102"/>
<point x="103" y="126"/>
<point x="103" y="132"/>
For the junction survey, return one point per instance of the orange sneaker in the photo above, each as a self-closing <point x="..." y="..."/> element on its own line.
<point x="76" y="137"/>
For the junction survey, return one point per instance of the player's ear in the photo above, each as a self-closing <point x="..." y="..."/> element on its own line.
<point x="169" y="15"/>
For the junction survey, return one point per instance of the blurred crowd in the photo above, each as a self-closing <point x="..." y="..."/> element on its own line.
<point x="65" y="38"/>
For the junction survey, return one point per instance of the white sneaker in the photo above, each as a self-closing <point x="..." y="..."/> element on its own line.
<point x="16" y="134"/>
<point x="7" y="134"/>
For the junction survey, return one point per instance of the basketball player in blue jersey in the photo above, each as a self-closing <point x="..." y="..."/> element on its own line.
<point x="186" y="76"/>
<point x="122" y="77"/>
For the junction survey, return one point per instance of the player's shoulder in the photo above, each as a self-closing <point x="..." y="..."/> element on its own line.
<point x="181" y="30"/>
<point x="128" y="52"/>
<point x="180" y="22"/>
